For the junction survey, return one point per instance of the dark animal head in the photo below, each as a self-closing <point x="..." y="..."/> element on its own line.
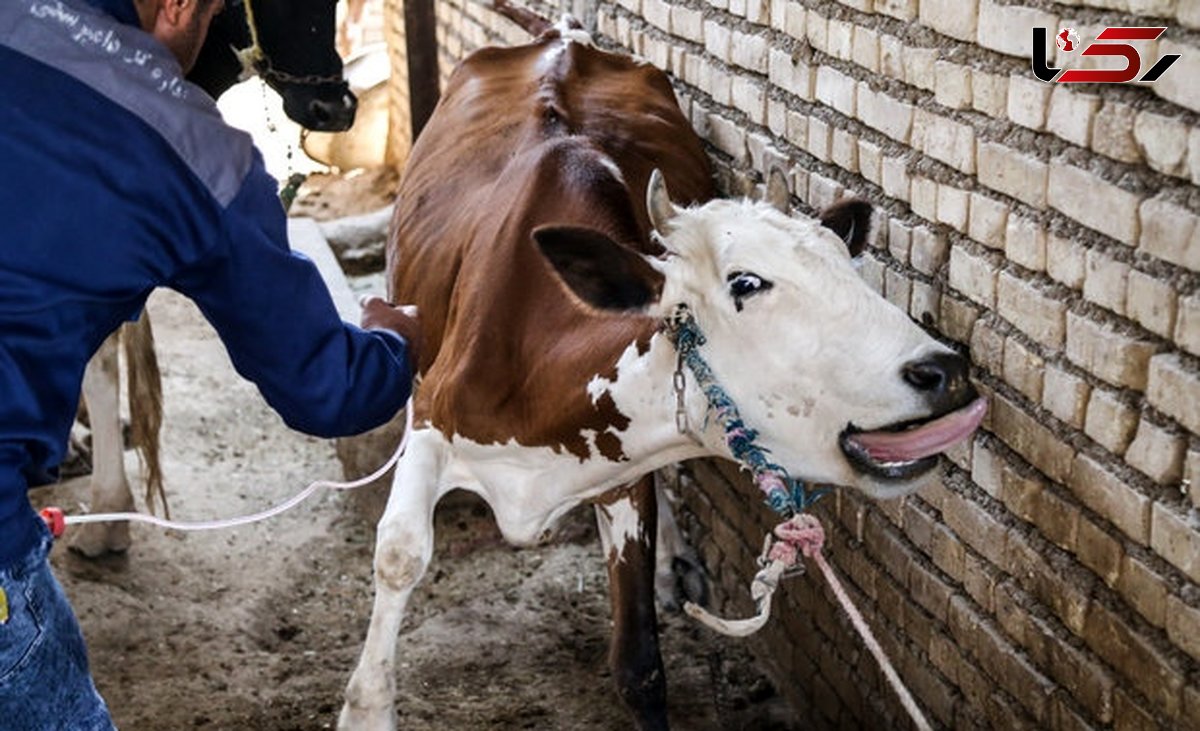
<point x="298" y="59"/>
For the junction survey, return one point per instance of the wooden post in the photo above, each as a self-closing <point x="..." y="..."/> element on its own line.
<point x="420" y="25"/>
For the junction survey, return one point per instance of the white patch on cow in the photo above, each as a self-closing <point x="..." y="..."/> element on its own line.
<point x="570" y="34"/>
<point x="620" y="525"/>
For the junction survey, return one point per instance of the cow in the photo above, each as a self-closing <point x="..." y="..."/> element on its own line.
<point x="298" y="60"/>
<point x="548" y="257"/>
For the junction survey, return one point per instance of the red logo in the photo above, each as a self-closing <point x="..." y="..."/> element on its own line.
<point x="1104" y="45"/>
<point x="1067" y="39"/>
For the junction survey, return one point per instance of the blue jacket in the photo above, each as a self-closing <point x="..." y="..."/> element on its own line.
<point x="116" y="177"/>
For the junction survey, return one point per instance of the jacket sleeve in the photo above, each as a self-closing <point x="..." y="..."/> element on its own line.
<point x="277" y="319"/>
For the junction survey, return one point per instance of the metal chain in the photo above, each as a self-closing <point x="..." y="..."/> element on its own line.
<point x="266" y="71"/>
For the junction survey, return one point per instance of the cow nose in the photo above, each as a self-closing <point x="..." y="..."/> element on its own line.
<point x="942" y="378"/>
<point x="333" y="116"/>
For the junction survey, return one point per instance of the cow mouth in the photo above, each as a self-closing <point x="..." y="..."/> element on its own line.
<point x="909" y="449"/>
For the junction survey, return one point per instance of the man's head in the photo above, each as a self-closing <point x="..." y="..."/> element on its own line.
<point x="180" y="25"/>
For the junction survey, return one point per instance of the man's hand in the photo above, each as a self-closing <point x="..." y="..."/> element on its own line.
<point x="402" y="320"/>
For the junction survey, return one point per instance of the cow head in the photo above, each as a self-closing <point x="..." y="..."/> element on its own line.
<point x="841" y="385"/>
<point x="299" y="60"/>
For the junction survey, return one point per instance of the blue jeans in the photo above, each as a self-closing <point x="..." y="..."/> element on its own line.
<point x="44" y="679"/>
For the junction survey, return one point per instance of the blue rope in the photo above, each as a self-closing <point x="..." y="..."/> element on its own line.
<point x="785" y="494"/>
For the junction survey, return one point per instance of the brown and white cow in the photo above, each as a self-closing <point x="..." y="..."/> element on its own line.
<point x="544" y="257"/>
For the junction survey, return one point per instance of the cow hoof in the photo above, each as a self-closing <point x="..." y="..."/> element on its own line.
<point x="94" y="540"/>
<point x="685" y="583"/>
<point x="366" y="719"/>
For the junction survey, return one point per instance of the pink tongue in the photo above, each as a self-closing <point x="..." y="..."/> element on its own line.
<point x="927" y="439"/>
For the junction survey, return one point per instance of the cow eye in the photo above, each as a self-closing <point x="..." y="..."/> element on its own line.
<point x="745" y="284"/>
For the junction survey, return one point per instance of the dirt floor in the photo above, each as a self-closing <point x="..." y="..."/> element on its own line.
<point x="259" y="627"/>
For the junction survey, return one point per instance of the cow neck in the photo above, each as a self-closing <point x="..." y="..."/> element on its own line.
<point x="785" y="494"/>
<point x="254" y="60"/>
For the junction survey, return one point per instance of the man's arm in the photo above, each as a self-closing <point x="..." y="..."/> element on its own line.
<point x="278" y="322"/>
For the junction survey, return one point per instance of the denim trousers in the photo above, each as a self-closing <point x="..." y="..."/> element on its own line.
<point x="45" y="684"/>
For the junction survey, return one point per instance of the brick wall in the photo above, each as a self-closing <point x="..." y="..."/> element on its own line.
<point x="1050" y="580"/>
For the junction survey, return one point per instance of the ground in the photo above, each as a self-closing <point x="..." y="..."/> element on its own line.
<point x="259" y="627"/>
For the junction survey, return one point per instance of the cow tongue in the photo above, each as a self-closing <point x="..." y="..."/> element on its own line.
<point x="926" y="440"/>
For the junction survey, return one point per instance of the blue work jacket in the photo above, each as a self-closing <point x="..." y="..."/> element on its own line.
<point x="116" y="177"/>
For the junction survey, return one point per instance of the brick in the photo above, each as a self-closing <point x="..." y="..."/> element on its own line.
<point x="902" y="9"/>
<point x="973" y="276"/>
<point x="750" y="98"/>
<point x="1163" y="141"/>
<point x="1065" y="396"/>
<point x="1106" y="493"/>
<point x="1066" y="592"/>
<point x="816" y="29"/>
<point x="1031" y="439"/>
<point x="1157" y="453"/>
<point x="952" y="85"/>
<point x="1085" y="680"/>
<point x="1112" y="132"/>
<point x="956" y="319"/>
<point x="758" y="12"/>
<point x="1098" y="551"/>
<point x="929" y="250"/>
<point x="952" y="206"/>
<point x="1135" y="658"/>
<point x="870" y="161"/>
<point x="687" y="23"/>
<point x="1130" y="715"/>
<point x="1058" y="519"/>
<point x="1015" y="174"/>
<point x="1039" y="316"/>
<point x="918" y="67"/>
<point x="1174" y="389"/>
<point x="987" y="221"/>
<point x="987" y="348"/>
<point x="1177" y="539"/>
<point x="818" y="139"/>
<point x="1071" y="114"/>
<point x="1183" y="626"/>
<point x="1187" y="330"/>
<point x="890" y="116"/>
<point x="1194" y="155"/>
<point x="989" y="93"/>
<point x="1028" y="101"/>
<point x="728" y="136"/>
<point x="1020" y="493"/>
<point x="1094" y="202"/>
<point x="923" y="197"/>
<point x="657" y="13"/>
<point x="987" y="469"/>
<point x="717" y="40"/>
<point x="1005" y="28"/>
<point x="955" y="18"/>
<point x="1023" y="369"/>
<point x="897" y="288"/>
<point x="1170" y="232"/>
<point x="789" y="74"/>
<point x="823" y="191"/>
<point x="975" y="527"/>
<point x="867" y="48"/>
<point x="748" y="51"/>
<point x="843" y="150"/>
<point x="1191" y="477"/>
<point x="840" y="39"/>
<point x="896" y="180"/>
<point x="1110" y="421"/>
<point x="1144" y="589"/>
<point x="899" y="240"/>
<point x="1025" y="243"/>
<point x="944" y="140"/>
<point x="1151" y="302"/>
<point x="1066" y="260"/>
<point x="872" y="272"/>
<point x="835" y="89"/>
<point x="1119" y="359"/>
<point x="1177" y="85"/>
<point x="1106" y="281"/>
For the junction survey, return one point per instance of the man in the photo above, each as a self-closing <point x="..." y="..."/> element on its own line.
<point x="117" y="177"/>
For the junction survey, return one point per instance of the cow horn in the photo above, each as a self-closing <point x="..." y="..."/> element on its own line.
<point x="658" y="203"/>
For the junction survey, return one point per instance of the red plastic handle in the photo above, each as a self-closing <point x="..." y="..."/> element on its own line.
<point x="55" y="521"/>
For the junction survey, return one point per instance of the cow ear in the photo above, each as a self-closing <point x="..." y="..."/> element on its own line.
<point x="850" y="219"/>
<point x="598" y="270"/>
<point x="658" y="203"/>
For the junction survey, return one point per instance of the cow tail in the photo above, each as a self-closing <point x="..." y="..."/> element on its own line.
<point x="145" y="405"/>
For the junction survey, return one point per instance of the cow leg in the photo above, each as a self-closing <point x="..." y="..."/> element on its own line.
<point x="110" y="486"/>
<point x="627" y="519"/>
<point x="678" y="576"/>
<point x="403" y="549"/>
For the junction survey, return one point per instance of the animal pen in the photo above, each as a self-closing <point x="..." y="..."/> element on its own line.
<point x="1049" y="580"/>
